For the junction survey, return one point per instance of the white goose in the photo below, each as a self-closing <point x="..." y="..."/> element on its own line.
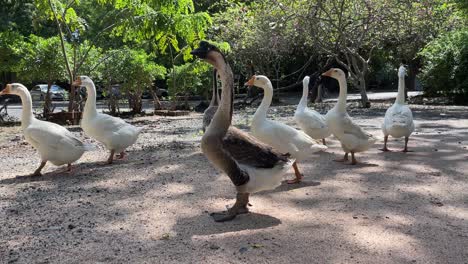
<point x="282" y="137"/>
<point x="310" y="121"/>
<point x="53" y="142"/>
<point x="351" y="136"/>
<point x="398" y="120"/>
<point x="111" y="131"/>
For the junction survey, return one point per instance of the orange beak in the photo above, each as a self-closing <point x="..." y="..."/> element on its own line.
<point x="77" y="82"/>
<point x="328" y="73"/>
<point x="7" y="90"/>
<point x="250" y="82"/>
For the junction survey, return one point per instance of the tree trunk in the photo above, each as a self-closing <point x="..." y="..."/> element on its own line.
<point x="156" y="102"/>
<point x="410" y="80"/>
<point x="362" y="88"/>
<point x="47" y="101"/>
<point x="319" y="97"/>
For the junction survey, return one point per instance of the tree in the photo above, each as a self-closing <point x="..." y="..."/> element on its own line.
<point x="139" y="73"/>
<point x="446" y="66"/>
<point x="42" y="62"/>
<point x="190" y="78"/>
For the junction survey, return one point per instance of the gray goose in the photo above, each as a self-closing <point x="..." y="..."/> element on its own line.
<point x="211" y="110"/>
<point x="251" y="165"/>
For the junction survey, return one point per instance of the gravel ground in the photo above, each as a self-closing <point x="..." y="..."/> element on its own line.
<point x="153" y="207"/>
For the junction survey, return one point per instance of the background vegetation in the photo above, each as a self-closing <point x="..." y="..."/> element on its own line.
<point x="142" y="42"/>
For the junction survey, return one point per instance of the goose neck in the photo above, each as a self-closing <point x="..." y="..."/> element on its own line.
<point x="26" y="102"/>
<point x="90" y="106"/>
<point x="222" y="118"/>
<point x="400" y="99"/>
<point x="305" y="94"/>
<point x="341" y="105"/>
<point x="262" y="110"/>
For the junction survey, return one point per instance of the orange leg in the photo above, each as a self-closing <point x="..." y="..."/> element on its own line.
<point x="353" y="159"/>
<point x="111" y="157"/>
<point x="345" y="158"/>
<point x="299" y="176"/>
<point x="37" y="172"/>
<point x="385" y="144"/>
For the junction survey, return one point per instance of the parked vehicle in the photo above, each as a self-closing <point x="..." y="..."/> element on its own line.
<point x="57" y="93"/>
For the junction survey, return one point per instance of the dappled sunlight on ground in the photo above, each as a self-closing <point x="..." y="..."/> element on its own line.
<point x="154" y="205"/>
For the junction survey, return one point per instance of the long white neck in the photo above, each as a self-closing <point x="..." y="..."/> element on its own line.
<point x="27" y="114"/>
<point x="341" y="105"/>
<point x="262" y="110"/>
<point x="305" y="92"/>
<point x="90" y="106"/>
<point x="400" y="99"/>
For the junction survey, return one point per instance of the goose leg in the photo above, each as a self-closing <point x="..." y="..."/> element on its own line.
<point x="240" y="207"/>
<point x="37" y="172"/>
<point x="406" y="145"/>
<point x="353" y="159"/>
<point x="385" y="144"/>
<point x="345" y="158"/>
<point x="299" y="176"/>
<point x="121" y="155"/>
<point x="323" y="141"/>
<point x="111" y="157"/>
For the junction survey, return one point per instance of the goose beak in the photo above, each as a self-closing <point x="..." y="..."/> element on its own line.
<point x="77" y="82"/>
<point x="328" y="73"/>
<point x="250" y="82"/>
<point x="7" y="90"/>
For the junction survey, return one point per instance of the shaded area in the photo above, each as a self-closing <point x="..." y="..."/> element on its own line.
<point x="154" y="206"/>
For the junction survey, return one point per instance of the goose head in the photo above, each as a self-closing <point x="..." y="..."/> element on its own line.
<point x="13" y="88"/>
<point x="208" y="52"/>
<point x="83" y="81"/>
<point x="402" y="71"/>
<point x="335" y="73"/>
<point x="258" y="80"/>
<point x="305" y="81"/>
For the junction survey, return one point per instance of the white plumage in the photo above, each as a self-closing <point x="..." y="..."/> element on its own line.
<point x="310" y="121"/>
<point x="351" y="136"/>
<point x="113" y="132"/>
<point x="282" y="137"/>
<point x="53" y="142"/>
<point x="398" y="120"/>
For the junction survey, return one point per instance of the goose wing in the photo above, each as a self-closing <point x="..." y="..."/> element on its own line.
<point x="352" y="128"/>
<point x="246" y="149"/>
<point x="53" y="137"/>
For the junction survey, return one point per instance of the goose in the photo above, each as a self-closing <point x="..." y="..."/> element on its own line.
<point x="111" y="131"/>
<point x="282" y="137"/>
<point x="211" y="110"/>
<point x="398" y="120"/>
<point x="351" y="136"/>
<point x="310" y="121"/>
<point x="251" y="165"/>
<point x="53" y="142"/>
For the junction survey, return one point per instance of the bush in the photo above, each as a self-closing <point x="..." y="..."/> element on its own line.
<point x="445" y="70"/>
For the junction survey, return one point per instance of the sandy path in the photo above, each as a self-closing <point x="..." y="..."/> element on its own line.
<point x="154" y="206"/>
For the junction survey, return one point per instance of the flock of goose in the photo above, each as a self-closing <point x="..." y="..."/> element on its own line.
<point x="253" y="161"/>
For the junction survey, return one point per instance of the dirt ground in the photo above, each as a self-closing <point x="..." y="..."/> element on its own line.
<point x="153" y="207"/>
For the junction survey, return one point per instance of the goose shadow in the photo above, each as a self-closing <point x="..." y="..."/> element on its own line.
<point x="249" y="221"/>
<point x="285" y="187"/>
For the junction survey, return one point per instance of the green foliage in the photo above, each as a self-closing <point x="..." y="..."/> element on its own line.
<point x="140" y="71"/>
<point x="11" y="46"/>
<point x="189" y="78"/>
<point x="446" y="66"/>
